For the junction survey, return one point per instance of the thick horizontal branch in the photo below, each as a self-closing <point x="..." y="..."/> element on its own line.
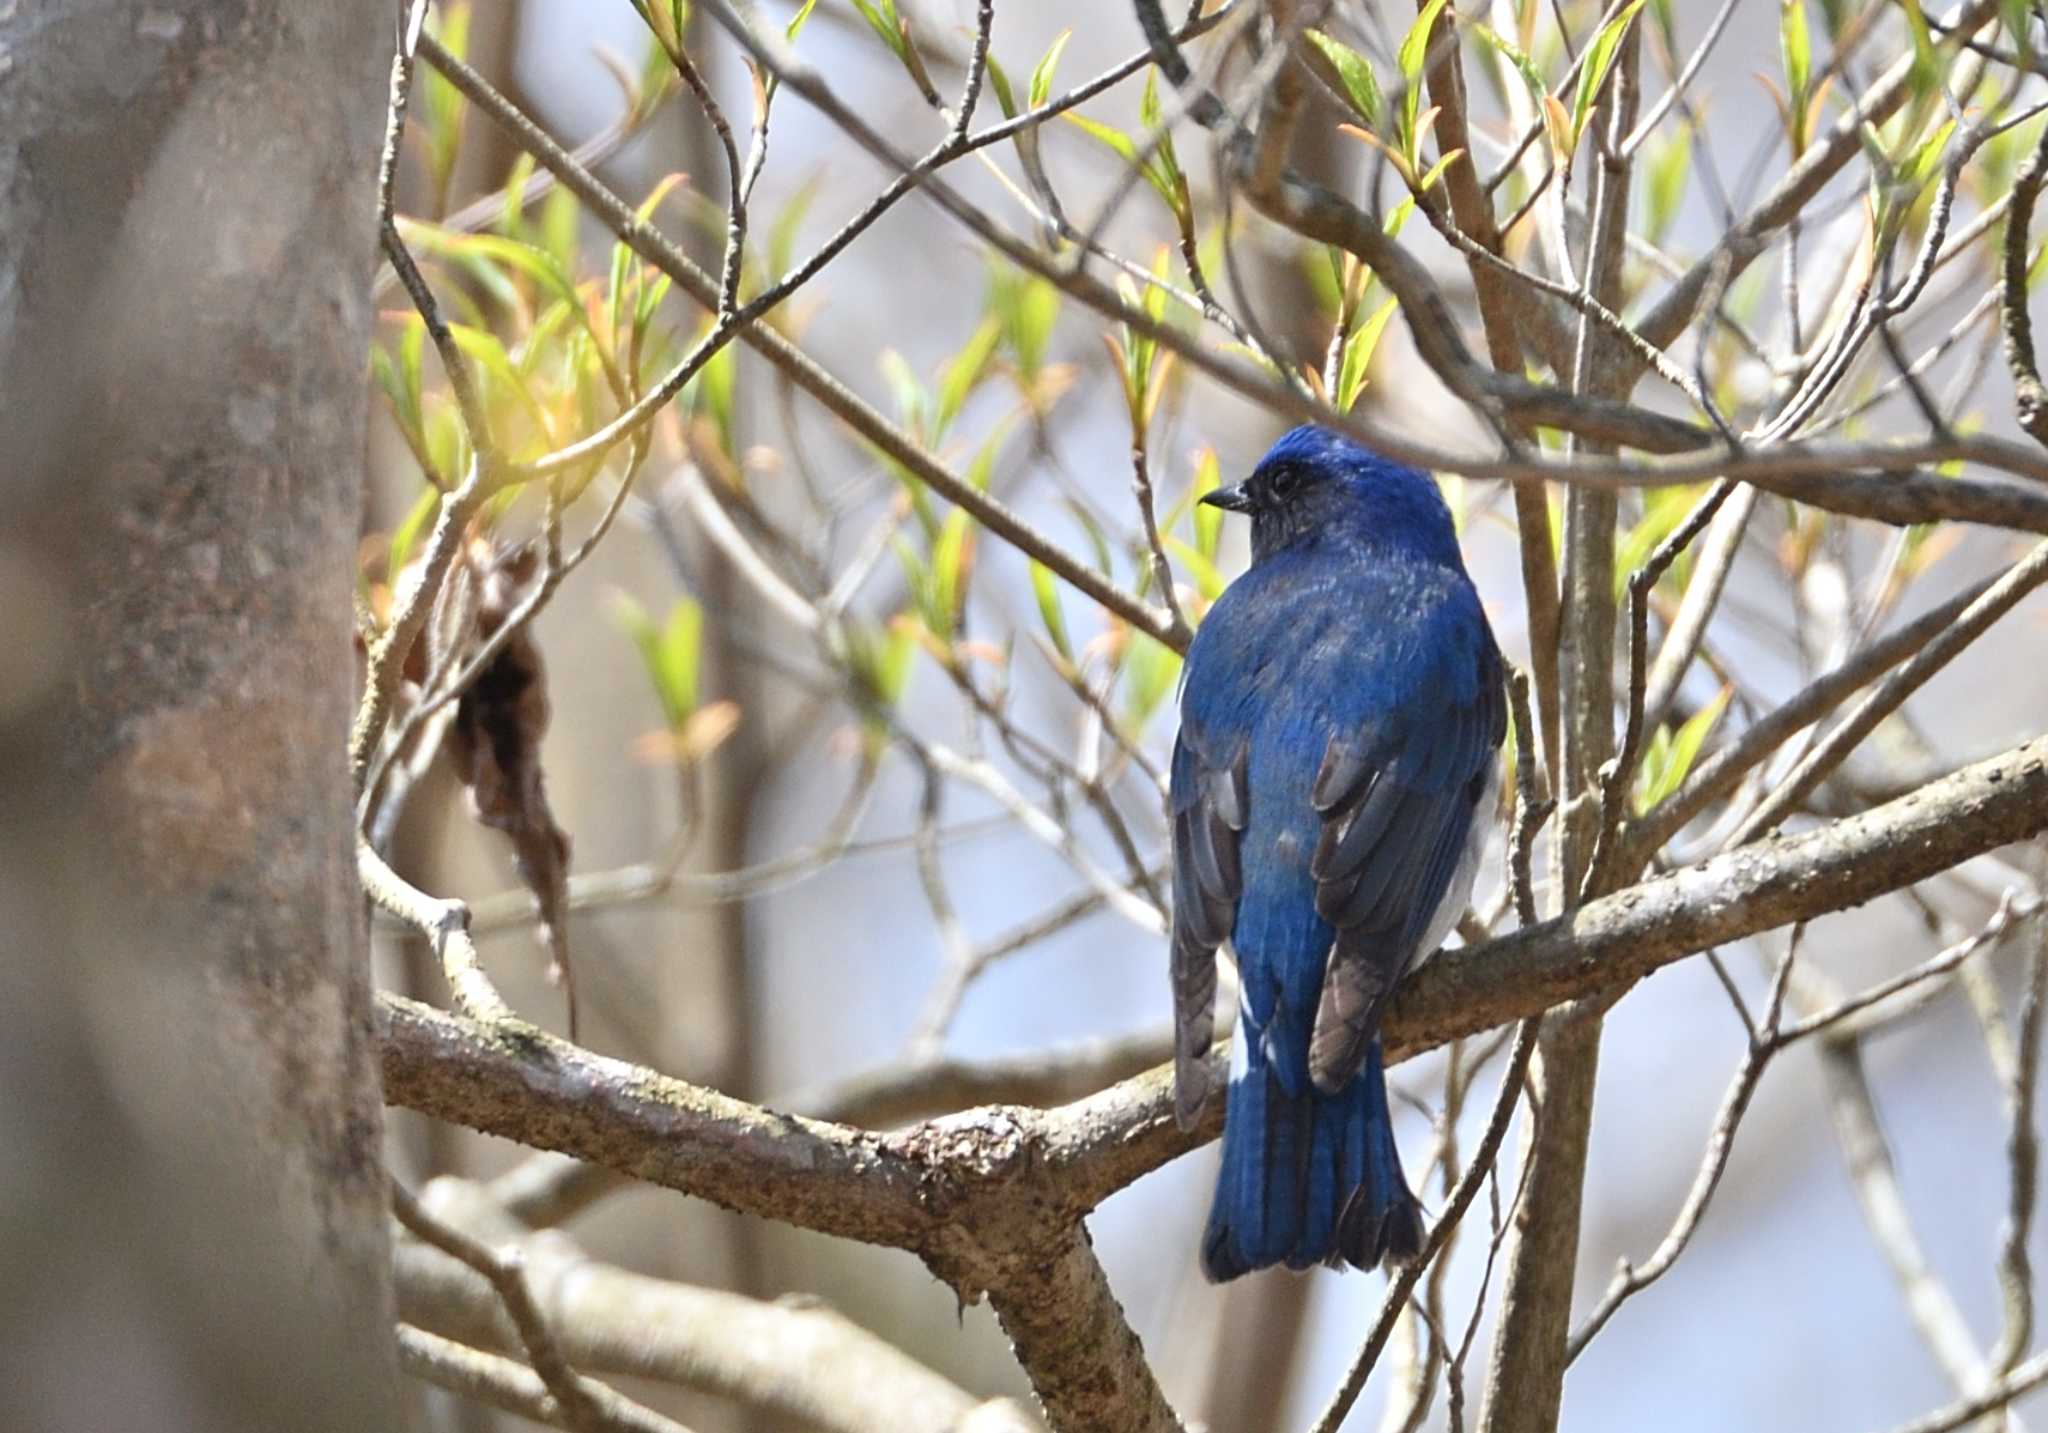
<point x="515" y="1081"/>
<point x="937" y="1187"/>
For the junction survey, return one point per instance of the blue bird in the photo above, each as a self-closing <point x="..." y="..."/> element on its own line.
<point x="1340" y="715"/>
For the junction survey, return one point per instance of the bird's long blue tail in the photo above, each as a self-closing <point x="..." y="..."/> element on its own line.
<point x="1308" y="1179"/>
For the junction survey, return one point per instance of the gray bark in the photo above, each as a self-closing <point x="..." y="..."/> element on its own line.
<point x="192" y="1219"/>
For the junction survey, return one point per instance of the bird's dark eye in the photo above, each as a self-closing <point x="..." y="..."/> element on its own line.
<point x="1282" y="484"/>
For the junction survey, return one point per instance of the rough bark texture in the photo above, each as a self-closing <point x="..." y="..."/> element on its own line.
<point x="186" y="216"/>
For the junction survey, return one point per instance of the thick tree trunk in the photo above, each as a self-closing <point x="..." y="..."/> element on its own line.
<point x="186" y="220"/>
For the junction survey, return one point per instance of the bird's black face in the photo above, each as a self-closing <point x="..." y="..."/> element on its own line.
<point x="1280" y="499"/>
<point x="1315" y="486"/>
<point x="1271" y="488"/>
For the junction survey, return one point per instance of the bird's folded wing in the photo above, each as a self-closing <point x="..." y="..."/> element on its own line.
<point x="1397" y="800"/>
<point x="1209" y="806"/>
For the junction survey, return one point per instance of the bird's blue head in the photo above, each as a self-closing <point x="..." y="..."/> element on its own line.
<point x="1316" y="485"/>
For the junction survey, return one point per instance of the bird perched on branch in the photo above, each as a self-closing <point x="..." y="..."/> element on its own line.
<point x="1340" y="719"/>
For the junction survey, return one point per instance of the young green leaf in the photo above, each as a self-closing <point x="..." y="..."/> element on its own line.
<point x="1599" y="59"/>
<point x="999" y="81"/>
<point x="1027" y="306"/>
<point x="1208" y="580"/>
<point x="1046" y="588"/>
<point x="1410" y="58"/>
<point x="1156" y="172"/>
<point x="1667" y="167"/>
<point x="1532" y="78"/>
<point x="966" y="370"/>
<point x="1924" y="78"/>
<point x="1354" y="74"/>
<point x="1150" y="670"/>
<point x="952" y="559"/>
<point x="671" y="652"/>
<point x="1358" y="351"/>
<point x="445" y="106"/>
<point x="1797" y="49"/>
<point x="1041" y="75"/>
<point x="512" y="211"/>
<point x="1671" y="754"/>
<point x="913" y="401"/>
<point x="882" y="20"/>
<point x="1208" y="519"/>
<point x="405" y="537"/>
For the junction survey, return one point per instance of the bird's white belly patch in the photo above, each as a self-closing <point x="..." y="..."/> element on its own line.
<point x="1459" y="893"/>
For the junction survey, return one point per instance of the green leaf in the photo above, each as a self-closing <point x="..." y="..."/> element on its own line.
<point x="1671" y="754"/>
<point x="1925" y="161"/>
<point x="1358" y="351"/>
<point x="781" y="248"/>
<point x="1208" y="520"/>
<point x="999" y="80"/>
<point x="1398" y="219"/>
<point x="2014" y="15"/>
<point x="1098" y="543"/>
<point x="983" y="467"/>
<point x="1027" y="306"/>
<point x="1532" y="78"/>
<point x="444" y="103"/>
<point x="656" y="78"/>
<point x="798" y="20"/>
<point x="917" y="576"/>
<point x="913" y="402"/>
<point x="485" y="348"/>
<point x="1208" y="581"/>
<point x="882" y="20"/>
<point x="399" y="372"/>
<point x="512" y="213"/>
<point x="616" y="283"/>
<point x="1155" y="170"/>
<point x="887" y="666"/>
<point x="672" y="653"/>
<point x="536" y="264"/>
<point x="559" y="217"/>
<point x="1796" y="47"/>
<point x="966" y="370"/>
<point x="1410" y="57"/>
<point x="952" y="556"/>
<point x="1924" y="78"/>
<point x="447" y="440"/>
<point x="1325" y="275"/>
<point x="1599" y="59"/>
<point x="1354" y="73"/>
<point x="1046" y="588"/>
<point x="1668" y="166"/>
<point x="711" y="392"/>
<point x="1041" y="76"/>
<point x="1663" y="510"/>
<point x="1150" y="670"/>
<point x="541" y="340"/>
<point x="651" y="296"/>
<point x="406" y="536"/>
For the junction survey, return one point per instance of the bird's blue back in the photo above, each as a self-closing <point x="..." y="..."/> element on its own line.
<point x="1307" y="646"/>
<point x="1349" y="684"/>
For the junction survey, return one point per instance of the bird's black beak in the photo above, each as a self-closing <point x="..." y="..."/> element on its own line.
<point x="1229" y="499"/>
